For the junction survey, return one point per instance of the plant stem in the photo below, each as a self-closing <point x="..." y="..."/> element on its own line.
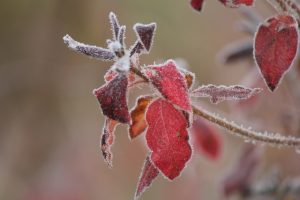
<point x="268" y="138"/>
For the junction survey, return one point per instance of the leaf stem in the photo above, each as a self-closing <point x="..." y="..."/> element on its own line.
<point x="237" y="130"/>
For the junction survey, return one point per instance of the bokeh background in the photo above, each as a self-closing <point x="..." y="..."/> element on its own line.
<point x="50" y="123"/>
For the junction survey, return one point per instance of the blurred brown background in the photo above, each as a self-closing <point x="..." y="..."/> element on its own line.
<point x="50" y="122"/>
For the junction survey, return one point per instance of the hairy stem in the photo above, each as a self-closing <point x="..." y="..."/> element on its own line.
<point x="268" y="138"/>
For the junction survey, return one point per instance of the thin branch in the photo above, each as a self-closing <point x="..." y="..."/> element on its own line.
<point x="268" y="138"/>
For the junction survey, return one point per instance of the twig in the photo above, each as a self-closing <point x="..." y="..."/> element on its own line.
<point x="268" y="138"/>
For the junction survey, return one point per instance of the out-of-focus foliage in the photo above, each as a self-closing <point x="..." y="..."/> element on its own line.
<point x="49" y="127"/>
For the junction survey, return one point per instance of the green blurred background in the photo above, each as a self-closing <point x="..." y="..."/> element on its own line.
<point x="50" y="123"/>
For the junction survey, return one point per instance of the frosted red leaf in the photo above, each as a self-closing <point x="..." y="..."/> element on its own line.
<point x="145" y="34"/>
<point x="167" y="137"/>
<point x="207" y="139"/>
<point x="241" y="175"/>
<point x="275" y="48"/>
<point x="113" y="100"/>
<point x="170" y="83"/>
<point x="138" y="121"/>
<point x="149" y="173"/>
<point x="218" y="94"/>
<point x="237" y="3"/>
<point x="197" y="4"/>
<point x="107" y="139"/>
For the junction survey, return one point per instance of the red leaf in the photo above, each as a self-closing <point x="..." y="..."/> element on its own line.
<point x="149" y="173"/>
<point x="237" y="3"/>
<point x="197" y="4"/>
<point x="112" y="98"/>
<point x="170" y="82"/>
<point x="242" y="173"/>
<point x="275" y="48"/>
<point x="218" y="94"/>
<point x="207" y="138"/>
<point x="167" y="138"/>
<point x="107" y="139"/>
<point x="138" y="122"/>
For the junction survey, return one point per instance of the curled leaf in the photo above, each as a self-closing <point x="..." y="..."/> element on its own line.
<point x="218" y="94"/>
<point x="107" y="139"/>
<point x="115" y="26"/>
<point x="207" y="138"/>
<point x="170" y="83"/>
<point x="275" y="48"/>
<point x="138" y="122"/>
<point x="113" y="100"/>
<point x="149" y="173"/>
<point x="167" y="137"/>
<point x="189" y="77"/>
<point x="89" y="50"/>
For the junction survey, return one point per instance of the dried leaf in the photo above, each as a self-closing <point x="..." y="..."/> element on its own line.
<point x="242" y="173"/>
<point x="167" y="138"/>
<point x="275" y="48"/>
<point x="237" y="3"/>
<point x="138" y="123"/>
<point x="170" y="82"/>
<point x="207" y="138"/>
<point x="149" y="173"/>
<point x="189" y="77"/>
<point x="218" y="94"/>
<point x="89" y="50"/>
<point x="112" y="98"/>
<point x="197" y="4"/>
<point x="107" y="139"/>
<point x="145" y="34"/>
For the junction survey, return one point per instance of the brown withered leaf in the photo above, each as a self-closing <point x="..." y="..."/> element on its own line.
<point x="138" y="122"/>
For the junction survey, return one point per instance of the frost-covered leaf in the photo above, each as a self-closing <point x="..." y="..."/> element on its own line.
<point x="138" y="121"/>
<point x="89" y="50"/>
<point x="218" y="94"/>
<point x="107" y="139"/>
<point x="240" y="176"/>
<point x="237" y="3"/>
<point x="167" y="137"/>
<point x="112" y="98"/>
<point x="115" y="26"/>
<point x="149" y="173"/>
<point x="121" y="36"/>
<point x="170" y="82"/>
<point x="207" y="139"/>
<point x="275" y="48"/>
<point x="145" y="34"/>
<point x="197" y="4"/>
